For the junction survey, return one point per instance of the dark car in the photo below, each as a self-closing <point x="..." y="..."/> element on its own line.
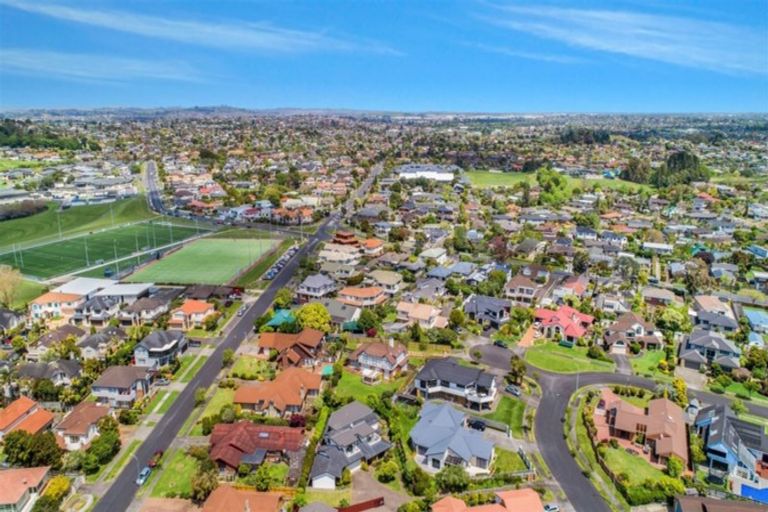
<point x="476" y="424"/>
<point x="513" y="390"/>
<point x="499" y="343"/>
<point x="155" y="460"/>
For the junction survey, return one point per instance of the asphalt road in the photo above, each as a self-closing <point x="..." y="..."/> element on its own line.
<point x="120" y="494"/>
<point x="550" y="415"/>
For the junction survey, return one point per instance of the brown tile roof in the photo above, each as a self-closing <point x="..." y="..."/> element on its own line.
<point x="366" y="292"/>
<point x="229" y="499"/>
<point x="15" y="410"/>
<point x="379" y="350"/>
<point x="231" y="441"/>
<point x="15" y="482"/>
<point x="79" y="420"/>
<point x="288" y="389"/>
<point x="699" y="504"/>
<point x="49" y="297"/>
<point x="35" y="422"/>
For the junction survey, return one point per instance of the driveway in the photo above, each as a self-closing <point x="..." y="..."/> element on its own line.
<point x="622" y="364"/>
<point x="366" y="487"/>
<point x="692" y="378"/>
<point x="493" y="356"/>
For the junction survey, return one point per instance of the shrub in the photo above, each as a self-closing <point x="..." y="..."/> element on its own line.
<point x="128" y="417"/>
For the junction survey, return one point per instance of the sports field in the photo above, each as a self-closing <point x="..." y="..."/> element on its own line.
<point x="66" y="256"/>
<point x="206" y="261"/>
<point x="487" y="179"/>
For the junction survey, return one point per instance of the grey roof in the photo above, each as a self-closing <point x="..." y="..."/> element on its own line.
<point x="8" y="318"/>
<point x="103" y="336"/>
<point x="441" y="428"/>
<point x="121" y="377"/>
<point x="717" y="319"/>
<point x="339" y="311"/>
<point x="317" y="281"/>
<point x="448" y="369"/>
<point x="159" y="339"/>
<point x="329" y="460"/>
<point x="60" y="334"/>
<point x="711" y="340"/>
<point x="351" y="413"/>
<point x="36" y="371"/>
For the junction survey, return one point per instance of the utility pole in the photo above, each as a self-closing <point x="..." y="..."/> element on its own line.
<point x="111" y="213"/>
<point x="87" y="259"/>
<point x="117" y="263"/>
<point x="58" y="221"/>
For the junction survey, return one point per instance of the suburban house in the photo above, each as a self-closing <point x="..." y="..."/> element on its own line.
<point x="59" y="372"/>
<point x="284" y="396"/>
<point x="573" y="286"/>
<point x="516" y="500"/>
<point x="226" y="498"/>
<point x="121" y="386"/>
<point x="340" y="313"/>
<point x="148" y="309"/>
<point x="660" y="426"/>
<point x="701" y="504"/>
<point x="631" y="328"/>
<point x="377" y="360"/>
<point x="736" y="449"/>
<point x="300" y="349"/>
<point x="521" y="290"/>
<point x="36" y="351"/>
<point x="441" y="438"/>
<point x="9" y="320"/>
<point x="21" y="487"/>
<point x="445" y="378"/>
<point x="704" y="348"/>
<point x="372" y="247"/>
<point x="567" y="322"/>
<point x="96" y="311"/>
<point x="438" y="254"/>
<point x="338" y="253"/>
<point x="658" y="296"/>
<point x="658" y="248"/>
<point x="711" y="313"/>
<point x="126" y="293"/>
<point x="159" y="348"/>
<point x="190" y="315"/>
<point x="80" y="426"/>
<point x="314" y="287"/>
<point x="98" y="345"/>
<point x="24" y="414"/>
<point x="362" y="296"/>
<point x="388" y="280"/>
<point x="245" y="442"/>
<point x="352" y="435"/>
<point x="426" y="315"/>
<point x="488" y="311"/>
<point x="52" y="305"/>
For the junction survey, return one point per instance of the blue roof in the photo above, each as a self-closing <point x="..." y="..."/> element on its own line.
<point x="440" y="272"/>
<point x="755" y="340"/>
<point x="441" y="427"/>
<point x="756" y="317"/>
<point x="282" y="316"/>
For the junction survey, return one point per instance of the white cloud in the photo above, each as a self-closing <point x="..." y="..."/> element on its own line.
<point x="675" y="40"/>
<point x="92" y="68"/>
<point x="522" y="54"/>
<point x="248" y="36"/>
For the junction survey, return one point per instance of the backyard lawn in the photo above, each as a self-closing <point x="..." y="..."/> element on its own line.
<point x="27" y="291"/>
<point x="647" y="365"/>
<point x="508" y="462"/>
<point x="328" y="497"/>
<point x="552" y="357"/>
<point x="509" y="411"/>
<point x="252" y="368"/>
<point x="176" y="475"/>
<point x="352" y="385"/>
<point x="222" y="397"/>
<point x="637" y="469"/>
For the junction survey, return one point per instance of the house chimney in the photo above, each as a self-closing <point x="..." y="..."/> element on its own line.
<point x="391" y="342"/>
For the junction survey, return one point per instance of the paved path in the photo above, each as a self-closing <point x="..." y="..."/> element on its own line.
<point x="366" y="487"/>
<point x="622" y="364"/>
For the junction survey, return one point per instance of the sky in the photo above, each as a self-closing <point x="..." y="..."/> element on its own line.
<point x="392" y="55"/>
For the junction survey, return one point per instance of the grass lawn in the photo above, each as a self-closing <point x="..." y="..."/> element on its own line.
<point x="175" y="475"/>
<point x="193" y="369"/>
<point x="330" y="498"/>
<point x="487" y="179"/>
<point x="78" y="219"/>
<point x="186" y="362"/>
<point x="433" y="349"/>
<point x="7" y="163"/>
<point x="252" y="277"/>
<point x="552" y="357"/>
<point x="352" y="385"/>
<point x="152" y="405"/>
<point x="207" y="261"/>
<point x="27" y="291"/>
<point x="226" y="315"/>
<point x="222" y="397"/>
<point x="70" y="255"/>
<point x="172" y="396"/>
<point x="637" y="468"/>
<point x="278" y="473"/>
<point x="738" y="389"/>
<point x="508" y="462"/>
<point x="251" y="368"/>
<point x="509" y="411"/>
<point x="125" y="456"/>
<point x="647" y="365"/>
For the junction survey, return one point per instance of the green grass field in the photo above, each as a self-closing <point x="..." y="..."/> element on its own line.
<point x="66" y="256"/>
<point x="6" y="163"/>
<point x="509" y="411"/>
<point x="647" y="365"/>
<point x="176" y="475"/>
<point x="252" y="278"/>
<point x="352" y="385"/>
<point x="251" y="368"/>
<point x="207" y="261"/>
<point x="487" y="179"/>
<point x="552" y="357"/>
<point x="79" y="219"/>
<point x="222" y="397"/>
<point x="26" y="292"/>
<point x="507" y="462"/>
<point x="635" y="467"/>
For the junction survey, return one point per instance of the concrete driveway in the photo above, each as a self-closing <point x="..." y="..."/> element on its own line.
<point x="366" y="487"/>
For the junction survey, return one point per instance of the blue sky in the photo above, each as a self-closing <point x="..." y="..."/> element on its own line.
<point x="481" y="56"/>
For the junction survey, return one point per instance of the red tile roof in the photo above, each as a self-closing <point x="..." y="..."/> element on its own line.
<point x="230" y="442"/>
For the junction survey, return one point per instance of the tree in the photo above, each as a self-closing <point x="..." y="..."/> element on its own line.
<point x="199" y="396"/>
<point x="10" y="280"/>
<point x="452" y="479"/>
<point x="675" y="466"/>
<point x="261" y="478"/>
<point x="204" y="482"/>
<point x="738" y="407"/>
<point x="681" y="392"/>
<point x="58" y="487"/>
<point x="227" y="357"/>
<point x="456" y="319"/>
<point x="698" y="455"/>
<point x="387" y="472"/>
<point x="516" y="369"/>
<point x="46" y="504"/>
<point x="283" y="298"/>
<point x="367" y="320"/>
<point x="580" y="262"/>
<point x="314" y="316"/>
<point x="637" y="171"/>
<point x="27" y="450"/>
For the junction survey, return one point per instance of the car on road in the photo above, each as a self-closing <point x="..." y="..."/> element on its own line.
<point x="162" y="381"/>
<point x="512" y="390"/>
<point x="551" y="508"/>
<point x="476" y="424"/>
<point x="241" y="311"/>
<point x="499" y="343"/>
<point x="143" y="475"/>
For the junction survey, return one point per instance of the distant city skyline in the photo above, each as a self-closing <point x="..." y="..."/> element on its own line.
<point x="460" y="56"/>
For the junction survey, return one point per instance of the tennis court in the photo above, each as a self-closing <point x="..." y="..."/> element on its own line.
<point x="206" y="261"/>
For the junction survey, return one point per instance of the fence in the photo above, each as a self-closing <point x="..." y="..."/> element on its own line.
<point x="363" y="505"/>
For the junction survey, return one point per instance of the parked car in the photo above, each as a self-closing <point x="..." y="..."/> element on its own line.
<point x="499" y="343"/>
<point x="551" y="508"/>
<point x="143" y="475"/>
<point x="512" y="389"/>
<point x="476" y="424"/>
<point x="162" y="381"/>
<point x="155" y="460"/>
